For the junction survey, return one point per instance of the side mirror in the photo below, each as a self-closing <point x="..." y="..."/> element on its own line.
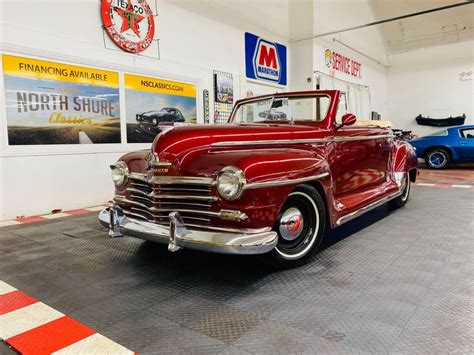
<point x="348" y="119"/>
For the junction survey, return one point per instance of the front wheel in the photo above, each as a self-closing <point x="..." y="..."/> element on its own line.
<point x="300" y="227"/>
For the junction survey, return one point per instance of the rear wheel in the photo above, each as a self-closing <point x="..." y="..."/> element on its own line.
<point x="437" y="158"/>
<point x="401" y="200"/>
<point x="300" y="228"/>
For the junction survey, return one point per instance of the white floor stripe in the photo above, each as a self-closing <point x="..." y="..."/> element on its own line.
<point x="26" y="318"/>
<point x="424" y="184"/>
<point x="55" y="215"/>
<point x="463" y="186"/>
<point x="95" y="208"/>
<point x="94" y="344"/>
<point x="5" y="288"/>
<point x="9" y="223"/>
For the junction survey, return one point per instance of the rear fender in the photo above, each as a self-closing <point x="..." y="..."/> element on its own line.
<point x="404" y="159"/>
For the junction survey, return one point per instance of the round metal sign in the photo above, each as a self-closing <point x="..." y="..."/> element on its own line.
<point x="129" y="23"/>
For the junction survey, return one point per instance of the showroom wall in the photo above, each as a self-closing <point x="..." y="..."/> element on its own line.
<point x="36" y="179"/>
<point x="309" y="55"/>
<point x="430" y="82"/>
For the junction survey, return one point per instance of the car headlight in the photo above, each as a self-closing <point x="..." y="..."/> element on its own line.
<point x="230" y="183"/>
<point x="119" y="173"/>
<point x="155" y="122"/>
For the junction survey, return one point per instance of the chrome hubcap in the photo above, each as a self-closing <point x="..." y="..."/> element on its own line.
<point x="437" y="159"/>
<point x="291" y="224"/>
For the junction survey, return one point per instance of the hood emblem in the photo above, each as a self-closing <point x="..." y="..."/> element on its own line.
<point x="155" y="165"/>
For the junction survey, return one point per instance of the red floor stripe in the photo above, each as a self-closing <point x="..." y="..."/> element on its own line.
<point x="31" y="219"/>
<point x="76" y="212"/>
<point x="443" y="185"/>
<point x="50" y="337"/>
<point x="14" y="300"/>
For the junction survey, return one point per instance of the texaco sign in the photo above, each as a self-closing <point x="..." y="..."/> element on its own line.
<point x="129" y="23"/>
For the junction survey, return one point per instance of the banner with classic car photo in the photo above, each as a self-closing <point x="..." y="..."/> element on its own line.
<point x="55" y="103"/>
<point x="154" y="105"/>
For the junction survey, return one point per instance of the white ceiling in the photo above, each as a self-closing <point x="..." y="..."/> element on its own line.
<point x="441" y="27"/>
<point x="273" y="17"/>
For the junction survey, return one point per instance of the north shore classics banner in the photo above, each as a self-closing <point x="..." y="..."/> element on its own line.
<point x="54" y="103"/>
<point x="154" y="105"/>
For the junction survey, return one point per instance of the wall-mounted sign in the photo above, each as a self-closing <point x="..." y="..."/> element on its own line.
<point x="54" y="103"/>
<point x="129" y="23"/>
<point x="265" y="60"/>
<point x="154" y="105"/>
<point x="223" y="87"/>
<point x="338" y="62"/>
<point x="205" y="105"/>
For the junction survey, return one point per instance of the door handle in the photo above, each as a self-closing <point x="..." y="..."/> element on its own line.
<point x="463" y="143"/>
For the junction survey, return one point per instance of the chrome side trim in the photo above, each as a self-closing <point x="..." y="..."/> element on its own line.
<point x="361" y="138"/>
<point x="267" y="142"/>
<point x="258" y="185"/>
<point x="367" y="208"/>
<point x="300" y="141"/>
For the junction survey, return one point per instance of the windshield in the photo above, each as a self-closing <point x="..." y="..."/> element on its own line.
<point x="291" y="108"/>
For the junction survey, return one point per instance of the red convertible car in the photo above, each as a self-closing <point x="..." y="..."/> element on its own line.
<point x="260" y="185"/>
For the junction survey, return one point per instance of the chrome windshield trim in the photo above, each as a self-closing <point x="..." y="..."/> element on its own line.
<point x="265" y="184"/>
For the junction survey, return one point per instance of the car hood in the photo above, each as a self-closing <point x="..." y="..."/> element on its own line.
<point x="154" y="113"/>
<point x="180" y="140"/>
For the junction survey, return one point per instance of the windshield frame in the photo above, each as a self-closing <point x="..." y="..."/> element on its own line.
<point x="288" y="96"/>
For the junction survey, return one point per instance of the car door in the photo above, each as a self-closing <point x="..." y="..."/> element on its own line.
<point x="465" y="146"/>
<point x="362" y="158"/>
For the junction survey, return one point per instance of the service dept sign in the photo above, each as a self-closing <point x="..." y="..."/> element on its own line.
<point x="265" y="60"/>
<point x="339" y="62"/>
<point x="129" y="23"/>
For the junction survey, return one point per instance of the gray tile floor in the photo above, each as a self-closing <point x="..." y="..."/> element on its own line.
<point x="390" y="282"/>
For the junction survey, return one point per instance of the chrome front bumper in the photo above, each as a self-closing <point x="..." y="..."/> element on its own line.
<point x="177" y="236"/>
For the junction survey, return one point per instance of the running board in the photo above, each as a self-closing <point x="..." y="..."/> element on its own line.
<point x="367" y="208"/>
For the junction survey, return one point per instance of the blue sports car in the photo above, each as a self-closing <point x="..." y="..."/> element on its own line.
<point x="439" y="149"/>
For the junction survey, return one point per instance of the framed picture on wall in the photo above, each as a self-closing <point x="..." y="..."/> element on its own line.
<point x="223" y="87"/>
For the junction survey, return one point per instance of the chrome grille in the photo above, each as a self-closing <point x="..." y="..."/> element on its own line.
<point x="154" y="199"/>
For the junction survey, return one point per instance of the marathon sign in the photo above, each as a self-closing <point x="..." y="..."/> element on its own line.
<point x="339" y="62"/>
<point x="265" y="60"/>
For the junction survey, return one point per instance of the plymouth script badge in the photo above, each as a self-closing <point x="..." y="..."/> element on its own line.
<point x="129" y="23"/>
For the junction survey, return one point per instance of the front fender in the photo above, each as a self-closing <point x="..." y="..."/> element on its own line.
<point x="404" y="158"/>
<point x="259" y="165"/>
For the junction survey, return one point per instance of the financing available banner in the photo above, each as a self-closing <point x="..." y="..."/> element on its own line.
<point x="154" y="105"/>
<point x="55" y="103"/>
